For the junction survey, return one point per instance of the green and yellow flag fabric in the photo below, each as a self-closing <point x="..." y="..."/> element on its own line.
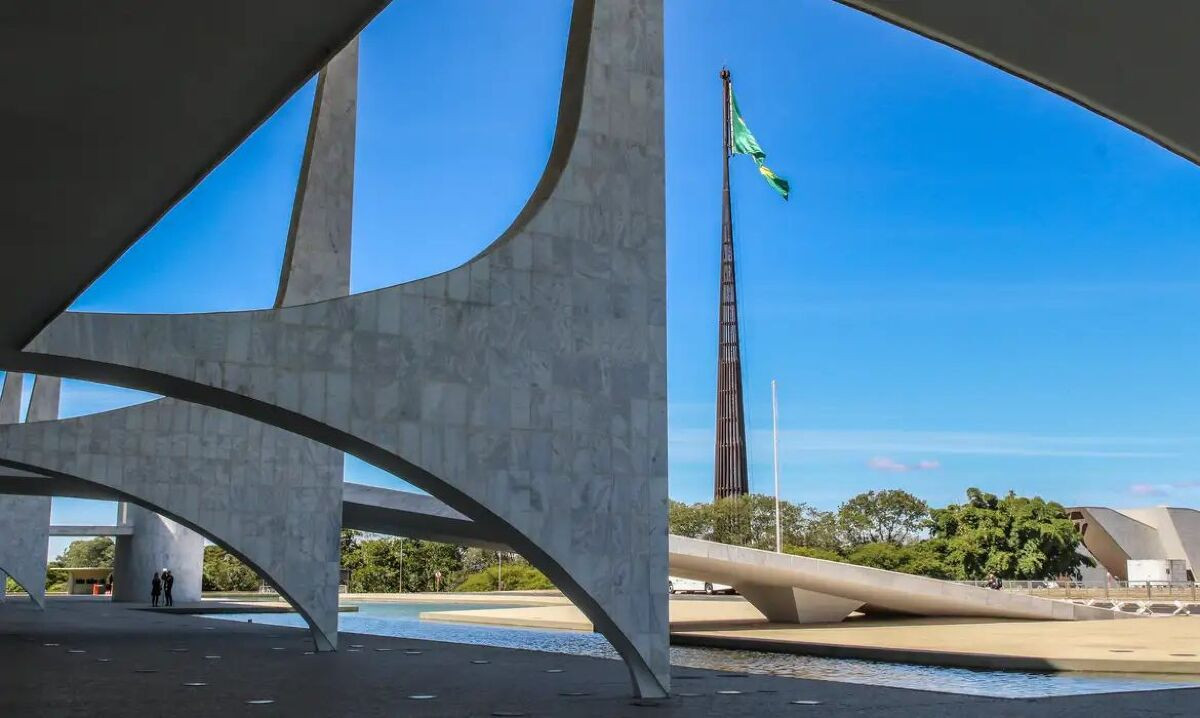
<point x="745" y="144"/>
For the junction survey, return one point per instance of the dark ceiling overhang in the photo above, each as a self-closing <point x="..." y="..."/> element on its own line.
<point x="111" y="112"/>
<point x="1132" y="62"/>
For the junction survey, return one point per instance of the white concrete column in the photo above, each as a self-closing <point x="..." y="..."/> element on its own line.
<point x="156" y="543"/>
<point x="25" y="520"/>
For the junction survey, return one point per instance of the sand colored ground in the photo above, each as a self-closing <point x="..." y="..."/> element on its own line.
<point x="685" y="615"/>
<point x="1145" y="645"/>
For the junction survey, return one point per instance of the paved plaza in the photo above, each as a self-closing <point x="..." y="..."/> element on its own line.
<point x="523" y="389"/>
<point x="90" y="657"/>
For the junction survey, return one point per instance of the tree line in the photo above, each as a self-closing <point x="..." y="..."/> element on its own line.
<point x="377" y="564"/>
<point x="371" y="564"/>
<point x="1013" y="537"/>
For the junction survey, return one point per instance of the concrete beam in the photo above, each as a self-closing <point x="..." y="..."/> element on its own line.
<point x="91" y="530"/>
<point x="403" y="513"/>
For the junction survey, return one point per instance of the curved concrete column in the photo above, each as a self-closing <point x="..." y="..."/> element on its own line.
<point x="526" y="388"/>
<point x="156" y="543"/>
<point x="316" y="261"/>
<point x="316" y="267"/>
<point x="25" y="520"/>
<point x="24" y="536"/>
<point x="268" y="496"/>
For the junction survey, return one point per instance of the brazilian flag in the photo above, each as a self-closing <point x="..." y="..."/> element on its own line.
<point x="745" y="144"/>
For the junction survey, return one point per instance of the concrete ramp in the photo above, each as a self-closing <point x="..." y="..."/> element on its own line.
<point x="786" y="588"/>
<point x="757" y="573"/>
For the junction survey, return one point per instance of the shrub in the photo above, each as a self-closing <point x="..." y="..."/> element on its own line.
<point x="516" y="578"/>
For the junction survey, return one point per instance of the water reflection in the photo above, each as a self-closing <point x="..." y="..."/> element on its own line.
<point x="401" y="620"/>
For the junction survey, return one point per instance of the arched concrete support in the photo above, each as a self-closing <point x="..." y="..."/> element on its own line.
<point x="23" y="543"/>
<point x="526" y="388"/>
<point x="25" y="520"/>
<point x="270" y="497"/>
<point x="316" y="267"/>
<point x="156" y="543"/>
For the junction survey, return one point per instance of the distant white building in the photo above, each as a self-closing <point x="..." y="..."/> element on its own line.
<point x="1115" y="536"/>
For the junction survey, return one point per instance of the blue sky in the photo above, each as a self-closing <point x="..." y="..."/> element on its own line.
<point x="976" y="283"/>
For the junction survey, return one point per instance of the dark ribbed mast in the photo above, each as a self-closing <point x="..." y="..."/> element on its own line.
<point x="729" y="474"/>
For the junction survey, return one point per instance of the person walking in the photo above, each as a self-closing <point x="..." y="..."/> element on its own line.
<point x="155" y="590"/>
<point x="168" y="584"/>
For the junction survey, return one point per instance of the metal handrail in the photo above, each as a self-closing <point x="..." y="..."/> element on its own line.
<point x="1111" y="589"/>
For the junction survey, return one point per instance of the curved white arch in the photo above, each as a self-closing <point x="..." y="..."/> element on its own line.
<point x="269" y="497"/>
<point x="526" y="388"/>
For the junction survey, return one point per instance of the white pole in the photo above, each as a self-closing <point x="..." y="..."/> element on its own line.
<point x="775" y="448"/>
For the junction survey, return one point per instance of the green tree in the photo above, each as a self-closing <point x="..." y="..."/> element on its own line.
<point x="56" y="579"/>
<point x="87" y="553"/>
<point x="750" y="521"/>
<point x="517" y="577"/>
<point x="224" y="572"/>
<point x="924" y="558"/>
<point x="424" y="559"/>
<point x="814" y="552"/>
<point x="348" y="540"/>
<point x="389" y="565"/>
<point x="890" y="516"/>
<point x="475" y="559"/>
<point x="1013" y="537"/>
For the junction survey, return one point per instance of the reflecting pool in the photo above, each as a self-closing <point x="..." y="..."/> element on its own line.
<point x="402" y="620"/>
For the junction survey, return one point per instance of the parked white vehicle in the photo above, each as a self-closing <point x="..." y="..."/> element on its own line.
<point x="691" y="585"/>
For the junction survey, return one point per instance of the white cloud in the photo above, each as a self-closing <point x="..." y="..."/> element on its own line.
<point x="887" y="463"/>
<point x="1145" y="489"/>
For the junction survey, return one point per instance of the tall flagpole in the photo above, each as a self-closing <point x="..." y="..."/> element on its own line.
<point x="729" y="472"/>
<point x="775" y="450"/>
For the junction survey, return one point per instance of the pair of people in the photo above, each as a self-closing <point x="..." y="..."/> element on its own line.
<point x="162" y="587"/>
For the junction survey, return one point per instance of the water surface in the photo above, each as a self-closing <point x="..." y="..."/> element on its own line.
<point x="402" y="620"/>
